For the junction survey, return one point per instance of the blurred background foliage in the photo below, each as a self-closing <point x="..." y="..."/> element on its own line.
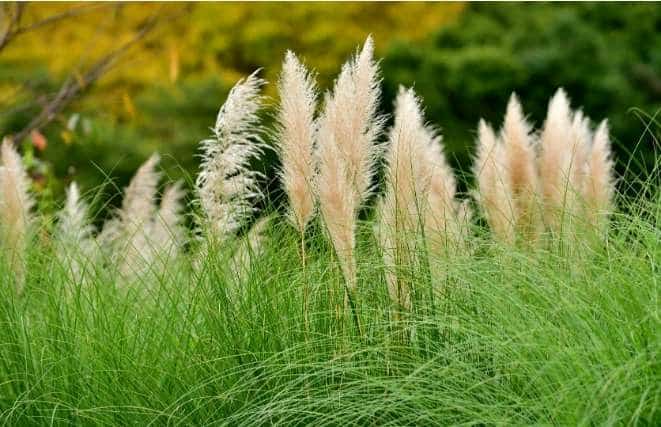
<point x="463" y="59"/>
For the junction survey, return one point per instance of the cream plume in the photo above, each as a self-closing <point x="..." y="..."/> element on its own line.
<point x="74" y="235"/>
<point x="295" y="141"/>
<point x="494" y="189"/>
<point x="565" y="145"/>
<point x="226" y="186"/>
<point x="16" y="205"/>
<point x="599" y="185"/>
<point x="521" y="169"/>
<point x="347" y="153"/>
<point x="419" y="199"/>
<point x="127" y="234"/>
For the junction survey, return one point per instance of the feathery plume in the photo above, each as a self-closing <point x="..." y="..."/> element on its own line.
<point x="494" y="189"/>
<point x="167" y="233"/>
<point x="16" y="204"/>
<point x="226" y="186"/>
<point x="521" y="171"/>
<point x="295" y="141"/>
<point x="347" y="153"/>
<point x="599" y="185"/>
<point x="73" y="235"/>
<point x="561" y="163"/>
<point x="127" y="234"/>
<point x="420" y="196"/>
<point x="402" y="209"/>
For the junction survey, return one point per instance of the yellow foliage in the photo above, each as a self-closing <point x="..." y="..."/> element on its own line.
<point x="225" y="39"/>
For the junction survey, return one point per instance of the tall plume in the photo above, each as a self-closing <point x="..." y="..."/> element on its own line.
<point x="560" y="162"/>
<point x="16" y="205"/>
<point x="521" y="171"/>
<point x="347" y="153"/>
<point x="226" y="186"/>
<point x="599" y="185"/>
<point x="73" y="235"/>
<point x="127" y="234"/>
<point x="419" y="199"/>
<point x="495" y="194"/>
<point x="296" y="135"/>
<point x="167" y="233"/>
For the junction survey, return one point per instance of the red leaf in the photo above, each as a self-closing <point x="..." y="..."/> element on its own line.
<point x="38" y="140"/>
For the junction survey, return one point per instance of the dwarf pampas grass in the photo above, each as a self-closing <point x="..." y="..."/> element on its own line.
<point x="73" y="235"/>
<point x="599" y="185"/>
<point x="508" y="180"/>
<point x="127" y="234"/>
<point x="561" y="163"/>
<point x="495" y="194"/>
<point x="419" y="200"/>
<point x="226" y="186"/>
<point x="576" y="170"/>
<point x="16" y="205"/>
<point x="295" y="141"/>
<point x="521" y="170"/>
<point x="347" y="154"/>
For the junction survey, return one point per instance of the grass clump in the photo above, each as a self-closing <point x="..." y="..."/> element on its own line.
<point x="516" y="337"/>
<point x="544" y="311"/>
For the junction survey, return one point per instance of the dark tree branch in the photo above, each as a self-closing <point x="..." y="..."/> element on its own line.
<point x="14" y="28"/>
<point x="77" y="83"/>
<point x="12" y="25"/>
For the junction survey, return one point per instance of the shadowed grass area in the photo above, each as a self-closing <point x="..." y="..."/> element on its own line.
<point x="512" y="336"/>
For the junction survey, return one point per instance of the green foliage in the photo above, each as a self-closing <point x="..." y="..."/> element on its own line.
<point x="512" y="337"/>
<point x="605" y="56"/>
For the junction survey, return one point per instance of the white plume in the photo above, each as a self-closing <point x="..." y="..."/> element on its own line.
<point x="16" y="205"/>
<point x="295" y="141"/>
<point x="226" y="186"/>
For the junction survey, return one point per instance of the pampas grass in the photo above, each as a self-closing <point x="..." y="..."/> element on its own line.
<point x="16" y="205"/>
<point x="74" y="240"/>
<point x="521" y="171"/>
<point x="560" y="162"/>
<point x="226" y="187"/>
<point x="599" y="185"/>
<point x="508" y="180"/>
<point x="418" y="208"/>
<point x="348" y="128"/>
<point x="576" y="171"/>
<point x="494" y="192"/>
<point x="568" y="185"/>
<point x="127" y="233"/>
<point x="295" y="140"/>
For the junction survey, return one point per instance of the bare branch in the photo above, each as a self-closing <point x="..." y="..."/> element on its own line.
<point x="76" y="83"/>
<point x="12" y="25"/>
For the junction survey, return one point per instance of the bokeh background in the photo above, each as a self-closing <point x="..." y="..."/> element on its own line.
<point x="92" y="89"/>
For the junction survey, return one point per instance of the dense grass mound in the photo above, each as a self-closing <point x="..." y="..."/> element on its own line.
<point x="563" y="336"/>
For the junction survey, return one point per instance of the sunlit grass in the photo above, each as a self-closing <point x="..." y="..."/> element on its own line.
<point x="514" y="336"/>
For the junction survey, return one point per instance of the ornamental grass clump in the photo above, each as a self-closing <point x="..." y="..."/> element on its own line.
<point x="74" y="236"/>
<point x="560" y="180"/>
<point x="508" y="180"/>
<point x="418" y="214"/>
<point x="576" y="171"/>
<point x="348" y="128"/>
<point x="226" y="186"/>
<point x="143" y="235"/>
<point x="295" y="141"/>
